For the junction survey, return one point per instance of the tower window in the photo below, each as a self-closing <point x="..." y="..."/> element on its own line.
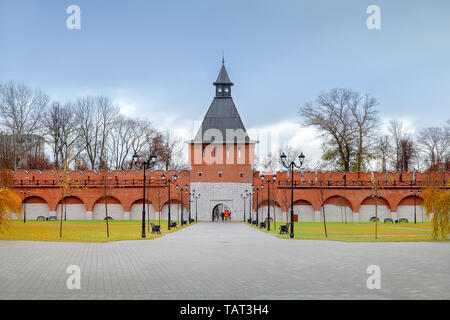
<point x="220" y="174"/>
<point x="220" y="90"/>
<point x="226" y="89"/>
<point x="200" y="174"/>
<point x="242" y="174"/>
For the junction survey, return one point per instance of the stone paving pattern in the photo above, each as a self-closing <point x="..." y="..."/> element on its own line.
<point x="224" y="261"/>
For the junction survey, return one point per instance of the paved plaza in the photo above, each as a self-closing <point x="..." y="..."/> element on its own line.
<point x="224" y="261"/>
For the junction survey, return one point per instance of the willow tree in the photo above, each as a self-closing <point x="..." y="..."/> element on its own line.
<point x="437" y="205"/>
<point x="10" y="202"/>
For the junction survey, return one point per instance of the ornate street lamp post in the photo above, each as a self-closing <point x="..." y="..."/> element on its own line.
<point x="25" y="205"/>
<point x="145" y="164"/>
<point x="250" y="202"/>
<point x="168" y="181"/>
<point x="376" y="197"/>
<point x="414" y="194"/>
<point x="291" y="165"/>
<point x="181" y="193"/>
<point x="243" y="197"/>
<point x="268" y="182"/>
<point x="190" y="206"/>
<point x="257" y="204"/>
<point x="196" y="197"/>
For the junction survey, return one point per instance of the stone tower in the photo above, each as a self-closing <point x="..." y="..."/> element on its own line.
<point x="221" y="156"/>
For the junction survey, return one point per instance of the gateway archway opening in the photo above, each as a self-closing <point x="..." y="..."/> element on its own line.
<point x="218" y="210"/>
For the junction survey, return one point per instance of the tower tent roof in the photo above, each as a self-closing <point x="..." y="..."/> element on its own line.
<point x="222" y="122"/>
<point x="223" y="77"/>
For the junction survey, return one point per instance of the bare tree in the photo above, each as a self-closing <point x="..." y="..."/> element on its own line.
<point x="96" y="117"/>
<point x="365" y="118"/>
<point x="62" y="133"/>
<point x="129" y="136"/>
<point x="271" y="162"/>
<point x="407" y="152"/>
<point x="383" y="149"/>
<point x="120" y="146"/>
<point x="319" y="178"/>
<point x="21" y="108"/>
<point x="434" y="142"/>
<point x="170" y="153"/>
<point x="397" y="132"/>
<point x="346" y="120"/>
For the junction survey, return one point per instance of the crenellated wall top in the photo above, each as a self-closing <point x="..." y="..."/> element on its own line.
<point x="96" y="175"/>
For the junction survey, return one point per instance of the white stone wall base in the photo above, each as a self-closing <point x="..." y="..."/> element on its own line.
<point x="227" y="193"/>
<point x="317" y="216"/>
<point x="88" y="215"/>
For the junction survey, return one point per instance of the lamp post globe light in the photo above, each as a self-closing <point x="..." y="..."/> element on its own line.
<point x="268" y="182"/>
<point x="414" y="195"/>
<point x="291" y="165"/>
<point x="168" y="181"/>
<point x="144" y="165"/>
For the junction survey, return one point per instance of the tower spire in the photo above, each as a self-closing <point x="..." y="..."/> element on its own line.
<point x="223" y="83"/>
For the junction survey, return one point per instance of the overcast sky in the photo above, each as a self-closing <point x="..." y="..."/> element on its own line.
<point x="158" y="59"/>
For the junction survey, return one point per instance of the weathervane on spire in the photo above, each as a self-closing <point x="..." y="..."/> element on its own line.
<point x="223" y="57"/>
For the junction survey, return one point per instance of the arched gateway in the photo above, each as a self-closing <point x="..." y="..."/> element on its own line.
<point x="216" y="214"/>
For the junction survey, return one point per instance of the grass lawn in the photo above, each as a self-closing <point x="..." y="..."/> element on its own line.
<point x="80" y="231"/>
<point x="358" y="231"/>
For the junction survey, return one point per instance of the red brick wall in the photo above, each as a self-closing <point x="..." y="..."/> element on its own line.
<point x="126" y="186"/>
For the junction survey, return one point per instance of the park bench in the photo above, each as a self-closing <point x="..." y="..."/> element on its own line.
<point x="402" y="220"/>
<point x="52" y="218"/>
<point x="254" y="222"/>
<point x="262" y="225"/>
<point x="155" y="228"/>
<point x="41" y="218"/>
<point x="267" y="219"/>
<point x="373" y="219"/>
<point x="191" y="220"/>
<point x="249" y="220"/>
<point x="284" y="228"/>
<point x="184" y="222"/>
<point x="388" y="220"/>
<point x="173" y="224"/>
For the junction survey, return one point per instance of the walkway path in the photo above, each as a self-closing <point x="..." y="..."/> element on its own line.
<point x="224" y="261"/>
